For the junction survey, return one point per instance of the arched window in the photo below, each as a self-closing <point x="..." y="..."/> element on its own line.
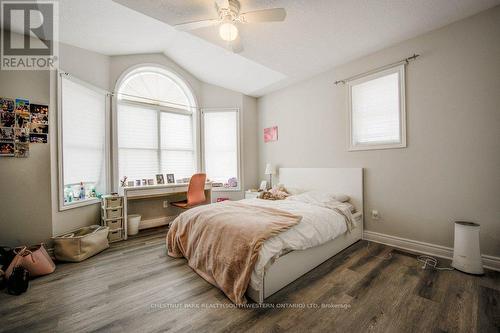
<point x="156" y="122"/>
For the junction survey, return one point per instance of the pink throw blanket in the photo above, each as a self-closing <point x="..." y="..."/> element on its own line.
<point x="222" y="241"/>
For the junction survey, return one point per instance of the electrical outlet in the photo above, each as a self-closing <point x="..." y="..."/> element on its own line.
<point x="165" y="204"/>
<point x="375" y="215"/>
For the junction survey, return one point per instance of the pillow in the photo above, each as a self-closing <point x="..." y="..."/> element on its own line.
<point x="314" y="197"/>
<point x="295" y="190"/>
<point x="342" y="197"/>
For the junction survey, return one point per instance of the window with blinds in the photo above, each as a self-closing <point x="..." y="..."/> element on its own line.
<point x="156" y="126"/>
<point x="221" y="153"/>
<point x="377" y="110"/>
<point x="83" y="154"/>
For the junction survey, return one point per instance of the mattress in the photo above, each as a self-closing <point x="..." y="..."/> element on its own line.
<point x="318" y="225"/>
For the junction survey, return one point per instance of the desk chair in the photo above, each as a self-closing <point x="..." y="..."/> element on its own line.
<point x="195" y="193"/>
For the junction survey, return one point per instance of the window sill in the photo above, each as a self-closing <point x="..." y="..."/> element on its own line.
<point x="377" y="146"/>
<point x="79" y="203"/>
<point x="226" y="189"/>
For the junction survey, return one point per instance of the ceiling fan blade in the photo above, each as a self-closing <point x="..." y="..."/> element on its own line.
<point x="265" y="15"/>
<point x="236" y="45"/>
<point x="188" y="26"/>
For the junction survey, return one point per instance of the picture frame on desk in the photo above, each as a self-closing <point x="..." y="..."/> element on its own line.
<point x="160" y="180"/>
<point x="170" y="178"/>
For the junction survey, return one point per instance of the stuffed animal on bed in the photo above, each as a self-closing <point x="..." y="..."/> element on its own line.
<point x="276" y="193"/>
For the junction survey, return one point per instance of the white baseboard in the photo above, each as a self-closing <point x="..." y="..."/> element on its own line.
<point x="157" y="222"/>
<point x="490" y="262"/>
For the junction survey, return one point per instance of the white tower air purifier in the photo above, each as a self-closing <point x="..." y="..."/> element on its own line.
<point x="466" y="252"/>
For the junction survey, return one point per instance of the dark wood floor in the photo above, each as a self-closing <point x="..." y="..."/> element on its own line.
<point x="135" y="287"/>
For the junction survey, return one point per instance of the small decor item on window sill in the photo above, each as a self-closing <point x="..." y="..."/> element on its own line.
<point x="160" y="180"/>
<point x="82" y="191"/>
<point x="151" y="181"/>
<point x="170" y="178"/>
<point x="232" y="182"/>
<point x="68" y="194"/>
<point x="123" y="181"/>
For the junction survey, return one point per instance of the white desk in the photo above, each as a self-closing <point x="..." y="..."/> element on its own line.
<point x="155" y="191"/>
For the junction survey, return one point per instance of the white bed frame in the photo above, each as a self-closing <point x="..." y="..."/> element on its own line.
<point x="293" y="265"/>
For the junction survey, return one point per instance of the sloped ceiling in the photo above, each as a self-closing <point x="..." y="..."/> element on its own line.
<point x="317" y="34"/>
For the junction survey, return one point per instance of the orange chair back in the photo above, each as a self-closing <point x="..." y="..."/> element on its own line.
<point x="196" y="189"/>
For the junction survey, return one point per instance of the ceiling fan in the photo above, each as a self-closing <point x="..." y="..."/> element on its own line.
<point x="228" y="18"/>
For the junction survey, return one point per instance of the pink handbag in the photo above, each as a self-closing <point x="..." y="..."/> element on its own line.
<point x="35" y="260"/>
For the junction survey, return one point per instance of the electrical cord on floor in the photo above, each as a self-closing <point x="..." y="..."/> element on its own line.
<point x="427" y="261"/>
<point x="432" y="263"/>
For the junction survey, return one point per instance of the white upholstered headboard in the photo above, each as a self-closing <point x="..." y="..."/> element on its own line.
<point x="347" y="181"/>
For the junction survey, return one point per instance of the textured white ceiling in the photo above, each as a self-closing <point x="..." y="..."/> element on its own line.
<point x="317" y="35"/>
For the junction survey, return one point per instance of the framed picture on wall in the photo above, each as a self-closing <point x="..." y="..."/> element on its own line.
<point x="271" y="134"/>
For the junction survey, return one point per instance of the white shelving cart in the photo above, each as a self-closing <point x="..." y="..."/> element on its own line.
<point x="112" y="217"/>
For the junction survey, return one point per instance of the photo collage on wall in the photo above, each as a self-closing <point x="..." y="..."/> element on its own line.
<point x="21" y="123"/>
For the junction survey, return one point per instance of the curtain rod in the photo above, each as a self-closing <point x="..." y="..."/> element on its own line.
<point x="404" y="61"/>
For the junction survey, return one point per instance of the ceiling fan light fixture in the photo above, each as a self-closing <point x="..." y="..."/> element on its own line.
<point x="228" y="31"/>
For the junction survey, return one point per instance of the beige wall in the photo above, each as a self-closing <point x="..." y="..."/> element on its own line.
<point x="25" y="214"/>
<point x="449" y="171"/>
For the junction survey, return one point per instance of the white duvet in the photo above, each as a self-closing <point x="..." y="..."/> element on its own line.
<point x="318" y="225"/>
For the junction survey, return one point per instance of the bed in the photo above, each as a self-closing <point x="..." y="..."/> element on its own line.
<point x="289" y="267"/>
<point x="314" y="233"/>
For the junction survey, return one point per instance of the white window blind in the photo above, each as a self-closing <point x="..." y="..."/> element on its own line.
<point x="177" y="149"/>
<point x="138" y="142"/>
<point x="377" y="110"/>
<point x="83" y="134"/>
<point x="152" y="141"/>
<point x="155" y="127"/>
<point x="151" y="85"/>
<point x="221" y="144"/>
